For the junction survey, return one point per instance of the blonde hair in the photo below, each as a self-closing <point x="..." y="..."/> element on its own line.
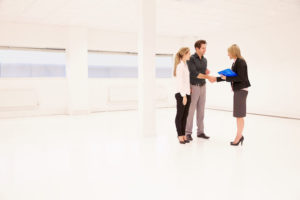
<point x="235" y="51"/>
<point x="179" y="55"/>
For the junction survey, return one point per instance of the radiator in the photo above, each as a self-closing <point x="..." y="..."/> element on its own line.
<point x="18" y="99"/>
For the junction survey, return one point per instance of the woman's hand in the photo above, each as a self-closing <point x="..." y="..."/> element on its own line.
<point x="223" y="77"/>
<point x="184" y="100"/>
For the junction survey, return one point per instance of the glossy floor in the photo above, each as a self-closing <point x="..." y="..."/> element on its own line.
<point x="102" y="156"/>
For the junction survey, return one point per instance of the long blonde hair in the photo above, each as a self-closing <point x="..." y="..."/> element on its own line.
<point x="234" y="50"/>
<point x="179" y="55"/>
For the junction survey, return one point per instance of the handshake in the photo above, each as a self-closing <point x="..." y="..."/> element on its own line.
<point x="212" y="79"/>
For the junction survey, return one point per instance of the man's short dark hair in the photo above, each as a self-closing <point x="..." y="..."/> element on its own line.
<point x="199" y="43"/>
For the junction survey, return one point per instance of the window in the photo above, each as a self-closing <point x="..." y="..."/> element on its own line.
<point x="164" y="66"/>
<point x="32" y="63"/>
<point x="124" y="65"/>
<point x="112" y="65"/>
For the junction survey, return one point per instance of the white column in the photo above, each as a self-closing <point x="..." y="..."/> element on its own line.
<point x="77" y="71"/>
<point x="146" y="61"/>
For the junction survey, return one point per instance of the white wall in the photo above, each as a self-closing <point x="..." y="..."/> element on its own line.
<point x="271" y="53"/>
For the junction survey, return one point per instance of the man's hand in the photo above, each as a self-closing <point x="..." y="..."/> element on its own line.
<point x="212" y="79"/>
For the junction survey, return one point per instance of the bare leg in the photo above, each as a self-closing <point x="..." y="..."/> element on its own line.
<point x="181" y="138"/>
<point x="240" y="127"/>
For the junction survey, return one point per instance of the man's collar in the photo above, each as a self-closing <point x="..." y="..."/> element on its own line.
<point x="197" y="56"/>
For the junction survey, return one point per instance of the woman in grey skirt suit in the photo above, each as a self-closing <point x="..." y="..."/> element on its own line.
<point x="240" y="85"/>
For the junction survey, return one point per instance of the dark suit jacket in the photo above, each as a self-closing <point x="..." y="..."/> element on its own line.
<point x="241" y="80"/>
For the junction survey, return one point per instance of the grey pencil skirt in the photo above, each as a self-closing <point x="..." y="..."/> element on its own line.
<point x="239" y="103"/>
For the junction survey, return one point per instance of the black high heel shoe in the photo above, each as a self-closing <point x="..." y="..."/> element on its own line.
<point x="240" y="141"/>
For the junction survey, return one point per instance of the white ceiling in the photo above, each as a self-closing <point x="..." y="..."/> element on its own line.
<point x="174" y="17"/>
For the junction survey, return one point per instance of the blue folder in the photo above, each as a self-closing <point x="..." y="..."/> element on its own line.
<point x="227" y="72"/>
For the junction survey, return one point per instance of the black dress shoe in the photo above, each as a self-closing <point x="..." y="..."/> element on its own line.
<point x="189" y="137"/>
<point x="186" y="141"/>
<point x="202" y="135"/>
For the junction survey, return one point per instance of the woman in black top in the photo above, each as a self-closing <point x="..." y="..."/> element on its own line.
<point x="239" y="84"/>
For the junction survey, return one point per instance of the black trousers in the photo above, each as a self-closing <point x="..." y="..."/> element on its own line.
<point x="182" y="113"/>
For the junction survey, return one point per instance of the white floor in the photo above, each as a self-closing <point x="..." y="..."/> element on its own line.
<point x="101" y="156"/>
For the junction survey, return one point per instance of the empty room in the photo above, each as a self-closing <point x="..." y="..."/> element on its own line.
<point x="149" y="99"/>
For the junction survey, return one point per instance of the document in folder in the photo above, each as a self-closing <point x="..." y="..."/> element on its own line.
<point x="227" y="72"/>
